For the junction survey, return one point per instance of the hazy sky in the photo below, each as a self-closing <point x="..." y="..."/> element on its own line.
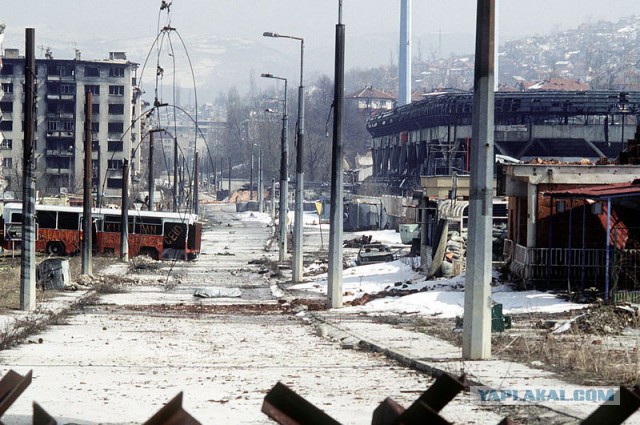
<point x="312" y="19"/>
<point x="67" y="24"/>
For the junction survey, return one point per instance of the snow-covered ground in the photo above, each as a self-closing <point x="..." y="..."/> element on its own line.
<point x="440" y="297"/>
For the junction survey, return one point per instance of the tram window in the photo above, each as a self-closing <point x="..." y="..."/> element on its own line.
<point x="68" y="221"/>
<point x="16" y="218"/>
<point x="148" y="226"/>
<point x="46" y="219"/>
<point x="112" y="223"/>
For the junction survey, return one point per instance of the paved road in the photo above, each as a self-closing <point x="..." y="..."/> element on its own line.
<point x="118" y="361"/>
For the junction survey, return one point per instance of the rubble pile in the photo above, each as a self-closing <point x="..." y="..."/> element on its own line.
<point x="599" y="319"/>
<point x="609" y="319"/>
<point x="358" y="242"/>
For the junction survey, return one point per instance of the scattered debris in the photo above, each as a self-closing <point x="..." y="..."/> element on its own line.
<point x="375" y="253"/>
<point x="358" y="242"/>
<point x="53" y="273"/>
<point x="599" y="319"/>
<point x="566" y="325"/>
<point x="217" y="292"/>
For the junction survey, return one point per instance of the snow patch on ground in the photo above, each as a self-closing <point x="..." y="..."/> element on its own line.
<point x="437" y="297"/>
<point x="255" y="216"/>
<point x="367" y="279"/>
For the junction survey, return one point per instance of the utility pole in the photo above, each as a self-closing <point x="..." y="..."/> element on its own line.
<point x="87" y="240"/>
<point x="284" y="174"/>
<point x="124" y="218"/>
<point x="260" y="182"/>
<point x="298" y="232"/>
<point x="196" y="181"/>
<point x="151" y="180"/>
<point x="28" y="246"/>
<point x="175" y="174"/>
<point x="334" y="290"/>
<point x="284" y="180"/>
<point x="251" y="176"/>
<point x="229" y="178"/>
<point x="273" y="199"/>
<point x="476" y="337"/>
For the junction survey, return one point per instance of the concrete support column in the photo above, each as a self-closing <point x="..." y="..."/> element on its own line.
<point x="476" y="339"/>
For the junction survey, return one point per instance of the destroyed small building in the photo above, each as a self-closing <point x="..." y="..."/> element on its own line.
<point x="560" y="217"/>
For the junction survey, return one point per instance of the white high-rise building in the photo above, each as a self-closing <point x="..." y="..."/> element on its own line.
<point x="62" y="85"/>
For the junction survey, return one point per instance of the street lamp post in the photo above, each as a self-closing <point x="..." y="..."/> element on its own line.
<point x="260" y="194"/>
<point x="251" y="175"/>
<point x="71" y="164"/>
<point x="284" y="190"/>
<point x="298" y="220"/>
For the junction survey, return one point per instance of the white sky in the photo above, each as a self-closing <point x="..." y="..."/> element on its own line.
<point x="312" y="19"/>
<point x="96" y="27"/>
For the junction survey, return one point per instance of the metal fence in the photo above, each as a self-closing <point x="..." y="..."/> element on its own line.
<point x="579" y="268"/>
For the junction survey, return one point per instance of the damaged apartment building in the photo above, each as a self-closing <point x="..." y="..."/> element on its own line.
<point x="62" y="85"/>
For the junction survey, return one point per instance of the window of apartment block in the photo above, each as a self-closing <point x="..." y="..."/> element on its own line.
<point x="116" y="127"/>
<point x="7" y="162"/>
<point x="116" y="109"/>
<point x="91" y="71"/>
<point x="7" y="88"/>
<point x="114" y="146"/>
<point x="114" y="164"/>
<point x="68" y="125"/>
<point x="6" y="125"/>
<point x="116" y="71"/>
<point x="95" y="127"/>
<point x="53" y="125"/>
<point x="67" y="89"/>
<point x="61" y="70"/>
<point x="6" y="106"/>
<point x="95" y="108"/>
<point x="116" y="90"/>
<point x="7" y="70"/>
<point x="6" y="144"/>
<point x="93" y="89"/>
<point x="114" y="183"/>
<point x="53" y="107"/>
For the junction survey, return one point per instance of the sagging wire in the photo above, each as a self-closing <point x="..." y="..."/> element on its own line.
<point x="158" y="43"/>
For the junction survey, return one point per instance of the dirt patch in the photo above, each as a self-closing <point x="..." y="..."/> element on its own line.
<point x="9" y="283"/>
<point x="10" y="278"/>
<point x="194" y="310"/>
<point x="602" y="347"/>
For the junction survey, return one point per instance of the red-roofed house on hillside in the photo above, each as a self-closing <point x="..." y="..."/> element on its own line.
<point x="554" y="84"/>
<point x="370" y="99"/>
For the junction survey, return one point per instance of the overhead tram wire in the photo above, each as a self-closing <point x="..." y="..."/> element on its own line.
<point x="158" y="43"/>
<point x="150" y="112"/>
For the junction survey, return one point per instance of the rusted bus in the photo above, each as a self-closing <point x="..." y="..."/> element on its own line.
<point x="194" y="241"/>
<point x="108" y="243"/>
<point x="160" y="235"/>
<point x="58" y="228"/>
<point x="58" y="242"/>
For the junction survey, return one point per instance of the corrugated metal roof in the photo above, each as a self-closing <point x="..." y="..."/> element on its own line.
<point x="616" y="190"/>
